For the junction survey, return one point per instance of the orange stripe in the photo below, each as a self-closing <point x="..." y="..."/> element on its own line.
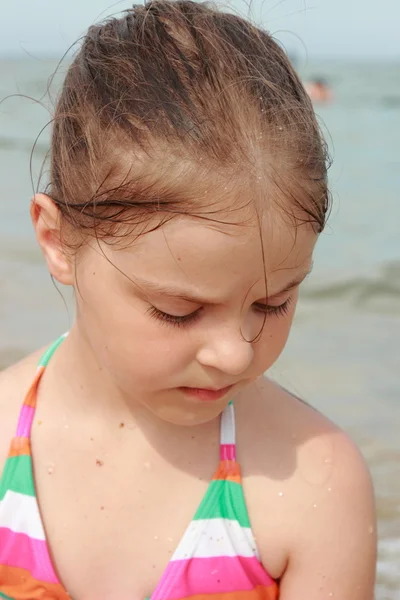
<point x="30" y="398"/>
<point x="19" y="585"/>
<point x="261" y="592"/>
<point x="20" y="446"/>
<point x="228" y="470"/>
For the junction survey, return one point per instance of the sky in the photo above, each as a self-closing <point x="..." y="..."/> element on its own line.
<point x="314" y="28"/>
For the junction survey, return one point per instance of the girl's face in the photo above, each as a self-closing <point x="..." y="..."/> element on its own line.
<point x="173" y="316"/>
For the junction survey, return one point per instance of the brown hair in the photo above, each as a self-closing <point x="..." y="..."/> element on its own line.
<point x="158" y="99"/>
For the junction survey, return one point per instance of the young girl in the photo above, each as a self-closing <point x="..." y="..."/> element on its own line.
<point x="187" y="190"/>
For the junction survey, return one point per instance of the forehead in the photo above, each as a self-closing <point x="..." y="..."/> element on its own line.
<point x="205" y="253"/>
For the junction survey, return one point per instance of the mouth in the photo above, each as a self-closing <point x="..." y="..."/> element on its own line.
<point x="206" y="394"/>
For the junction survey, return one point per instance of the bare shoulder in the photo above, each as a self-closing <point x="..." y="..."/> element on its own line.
<point x="14" y="384"/>
<point x="284" y="438"/>
<point x="308" y="484"/>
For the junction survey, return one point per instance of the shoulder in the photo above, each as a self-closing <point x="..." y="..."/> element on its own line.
<point x="313" y="489"/>
<point x="287" y="439"/>
<point x="14" y="384"/>
<point x="282" y="436"/>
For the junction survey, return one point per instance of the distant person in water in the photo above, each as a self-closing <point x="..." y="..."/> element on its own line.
<point x="319" y="91"/>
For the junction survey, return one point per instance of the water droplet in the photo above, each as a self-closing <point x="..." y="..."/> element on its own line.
<point x="66" y="426"/>
<point x="328" y="460"/>
<point x="156" y="537"/>
<point x="371" y="529"/>
<point x="314" y="505"/>
<point x="329" y="489"/>
<point x="170" y="539"/>
<point x="280" y="494"/>
<point x="331" y="594"/>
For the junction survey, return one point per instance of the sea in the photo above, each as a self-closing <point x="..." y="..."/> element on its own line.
<point x="343" y="353"/>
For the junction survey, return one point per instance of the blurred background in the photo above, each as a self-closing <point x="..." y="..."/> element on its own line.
<point x="343" y="352"/>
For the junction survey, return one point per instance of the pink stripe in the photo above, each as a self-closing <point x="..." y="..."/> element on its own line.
<point x="21" y="551"/>
<point x="222" y="574"/>
<point x="25" y="421"/>
<point x="228" y="452"/>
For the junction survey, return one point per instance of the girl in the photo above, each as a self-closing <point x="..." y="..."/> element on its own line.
<point x="187" y="191"/>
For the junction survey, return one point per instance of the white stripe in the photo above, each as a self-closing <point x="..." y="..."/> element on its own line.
<point x="20" y="513"/>
<point x="206" y="538"/>
<point x="228" y="425"/>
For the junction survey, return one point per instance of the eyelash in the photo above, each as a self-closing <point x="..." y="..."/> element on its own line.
<point x="276" y="311"/>
<point x="171" y="319"/>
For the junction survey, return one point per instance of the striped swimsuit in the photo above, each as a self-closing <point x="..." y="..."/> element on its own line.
<point x="216" y="559"/>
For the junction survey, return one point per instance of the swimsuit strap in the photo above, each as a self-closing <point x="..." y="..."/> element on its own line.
<point x="228" y="434"/>
<point x="28" y="409"/>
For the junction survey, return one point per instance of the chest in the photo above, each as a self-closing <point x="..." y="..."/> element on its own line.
<point x="113" y="519"/>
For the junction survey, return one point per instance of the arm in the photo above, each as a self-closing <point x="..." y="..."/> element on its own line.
<point x="334" y="547"/>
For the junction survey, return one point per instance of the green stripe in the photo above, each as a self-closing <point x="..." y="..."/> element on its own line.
<point x="43" y="362"/>
<point x="6" y="597"/>
<point x="224" y="500"/>
<point x="17" y="476"/>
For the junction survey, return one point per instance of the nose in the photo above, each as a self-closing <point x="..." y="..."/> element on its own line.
<point x="226" y="351"/>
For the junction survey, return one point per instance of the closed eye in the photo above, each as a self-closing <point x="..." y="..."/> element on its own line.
<point x="175" y="320"/>
<point x="280" y="310"/>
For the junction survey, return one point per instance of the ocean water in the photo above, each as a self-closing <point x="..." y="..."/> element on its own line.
<point x="343" y="354"/>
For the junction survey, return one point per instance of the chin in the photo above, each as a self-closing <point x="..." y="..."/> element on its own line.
<point x="189" y="416"/>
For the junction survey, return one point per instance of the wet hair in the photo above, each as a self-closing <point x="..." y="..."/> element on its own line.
<point x="175" y="99"/>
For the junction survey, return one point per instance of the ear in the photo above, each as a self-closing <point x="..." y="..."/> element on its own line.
<point x="46" y="221"/>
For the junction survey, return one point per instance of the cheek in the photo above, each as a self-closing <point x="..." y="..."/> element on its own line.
<point x="136" y="350"/>
<point x="273" y="340"/>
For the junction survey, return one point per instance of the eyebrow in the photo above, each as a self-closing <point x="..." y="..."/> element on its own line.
<point x="178" y="293"/>
<point x="294" y="283"/>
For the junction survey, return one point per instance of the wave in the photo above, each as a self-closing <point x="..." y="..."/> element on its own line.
<point x="362" y="291"/>
<point x="392" y="101"/>
<point x="23" y="145"/>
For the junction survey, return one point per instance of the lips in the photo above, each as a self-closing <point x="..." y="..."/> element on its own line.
<point x="206" y="395"/>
